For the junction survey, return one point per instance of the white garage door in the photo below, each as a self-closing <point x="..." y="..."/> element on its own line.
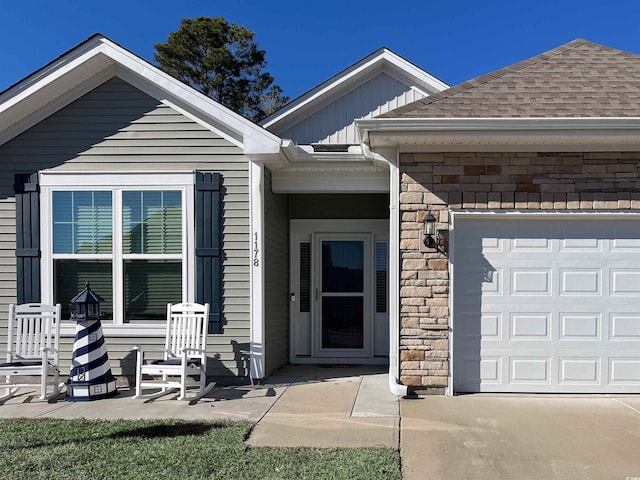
<point x="546" y="304"/>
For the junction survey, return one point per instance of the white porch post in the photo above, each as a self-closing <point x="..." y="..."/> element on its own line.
<point x="256" y="229"/>
<point x="394" y="278"/>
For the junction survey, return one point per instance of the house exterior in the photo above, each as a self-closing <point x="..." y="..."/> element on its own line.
<point x="117" y="174"/>
<point x="310" y="234"/>
<point x="531" y="174"/>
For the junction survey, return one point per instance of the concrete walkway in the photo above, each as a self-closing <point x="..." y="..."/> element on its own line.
<point x="324" y="407"/>
<point x="299" y="406"/>
<point x="472" y="436"/>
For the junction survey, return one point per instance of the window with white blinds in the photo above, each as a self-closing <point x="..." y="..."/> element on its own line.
<point x="152" y="222"/>
<point x="82" y="222"/>
<point x="128" y="243"/>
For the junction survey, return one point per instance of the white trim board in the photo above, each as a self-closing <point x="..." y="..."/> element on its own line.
<point x="256" y="284"/>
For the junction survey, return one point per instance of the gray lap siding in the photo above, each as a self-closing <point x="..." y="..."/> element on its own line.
<point x="116" y="127"/>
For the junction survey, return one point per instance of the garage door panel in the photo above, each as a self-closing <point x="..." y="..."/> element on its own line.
<point x="529" y="245"/>
<point x="580" y="326"/>
<point x="580" y="281"/>
<point x="624" y="371"/>
<point x="490" y="245"/>
<point x="624" y="281"/>
<point x="491" y="326"/>
<point x="548" y="305"/>
<point x="473" y="373"/>
<point x="477" y="281"/>
<point x="530" y="326"/>
<point x="530" y="281"/>
<point x="530" y="370"/>
<point x="580" y="245"/>
<point x="579" y="371"/>
<point x="629" y="244"/>
<point x="624" y="327"/>
<point x="476" y="329"/>
<point x="491" y="370"/>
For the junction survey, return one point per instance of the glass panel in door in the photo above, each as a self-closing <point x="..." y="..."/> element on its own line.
<point x="343" y="294"/>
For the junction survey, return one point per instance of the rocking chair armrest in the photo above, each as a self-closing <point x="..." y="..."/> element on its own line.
<point x="151" y="348"/>
<point x="189" y="349"/>
<point x="46" y="352"/>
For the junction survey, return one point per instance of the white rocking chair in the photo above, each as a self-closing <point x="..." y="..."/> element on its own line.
<point x="185" y="355"/>
<point x="32" y="349"/>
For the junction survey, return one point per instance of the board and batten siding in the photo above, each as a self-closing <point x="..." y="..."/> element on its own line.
<point x="117" y="127"/>
<point x="335" y="124"/>
<point x="276" y="267"/>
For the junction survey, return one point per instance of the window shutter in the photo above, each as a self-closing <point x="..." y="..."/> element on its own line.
<point x="208" y="228"/>
<point x="27" y="237"/>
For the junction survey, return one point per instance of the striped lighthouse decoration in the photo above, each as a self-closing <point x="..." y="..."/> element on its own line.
<point x="90" y="377"/>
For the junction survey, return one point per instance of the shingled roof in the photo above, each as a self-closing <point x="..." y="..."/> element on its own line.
<point x="578" y="79"/>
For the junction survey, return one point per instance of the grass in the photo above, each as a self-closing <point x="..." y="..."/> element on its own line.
<point x="94" y="450"/>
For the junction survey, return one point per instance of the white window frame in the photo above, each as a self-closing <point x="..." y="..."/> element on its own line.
<point x="117" y="183"/>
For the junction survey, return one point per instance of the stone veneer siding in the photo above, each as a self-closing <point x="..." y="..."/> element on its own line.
<point x="440" y="182"/>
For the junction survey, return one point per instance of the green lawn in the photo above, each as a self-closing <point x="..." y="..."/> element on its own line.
<point x="92" y="450"/>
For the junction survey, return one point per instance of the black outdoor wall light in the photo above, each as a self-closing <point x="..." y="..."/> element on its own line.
<point x="429" y="231"/>
<point x="434" y="239"/>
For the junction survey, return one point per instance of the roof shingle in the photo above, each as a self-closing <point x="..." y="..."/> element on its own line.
<point x="578" y="79"/>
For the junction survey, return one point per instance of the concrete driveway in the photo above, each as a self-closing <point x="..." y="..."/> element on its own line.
<point x="521" y="437"/>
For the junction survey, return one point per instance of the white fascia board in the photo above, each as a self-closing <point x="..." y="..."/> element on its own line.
<point x="65" y="64"/>
<point x="22" y="116"/>
<point x="369" y="64"/>
<point x="407" y="68"/>
<point x="452" y="125"/>
<point x="24" y="104"/>
<point x="82" y="63"/>
<point x="496" y="132"/>
<point x="253" y="138"/>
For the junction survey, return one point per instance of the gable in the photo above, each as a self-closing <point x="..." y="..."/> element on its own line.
<point x="96" y="60"/>
<point x="326" y="114"/>
<point x="335" y="122"/>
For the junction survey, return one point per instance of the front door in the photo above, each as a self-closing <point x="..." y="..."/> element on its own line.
<point x="342" y="293"/>
<point x="339" y="291"/>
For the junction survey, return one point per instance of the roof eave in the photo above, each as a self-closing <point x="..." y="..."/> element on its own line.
<point x="91" y="63"/>
<point x="502" y="134"/>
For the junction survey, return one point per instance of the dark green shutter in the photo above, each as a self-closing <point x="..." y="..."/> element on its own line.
<point x="208" y="227"/>
<point x="27" y="237"/>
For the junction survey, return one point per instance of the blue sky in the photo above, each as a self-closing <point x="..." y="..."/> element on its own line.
<point x="309" y="41"/>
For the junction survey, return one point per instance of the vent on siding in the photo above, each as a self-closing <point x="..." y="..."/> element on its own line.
<point x="381" y="277"/>
<point x="305" y="277"/>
